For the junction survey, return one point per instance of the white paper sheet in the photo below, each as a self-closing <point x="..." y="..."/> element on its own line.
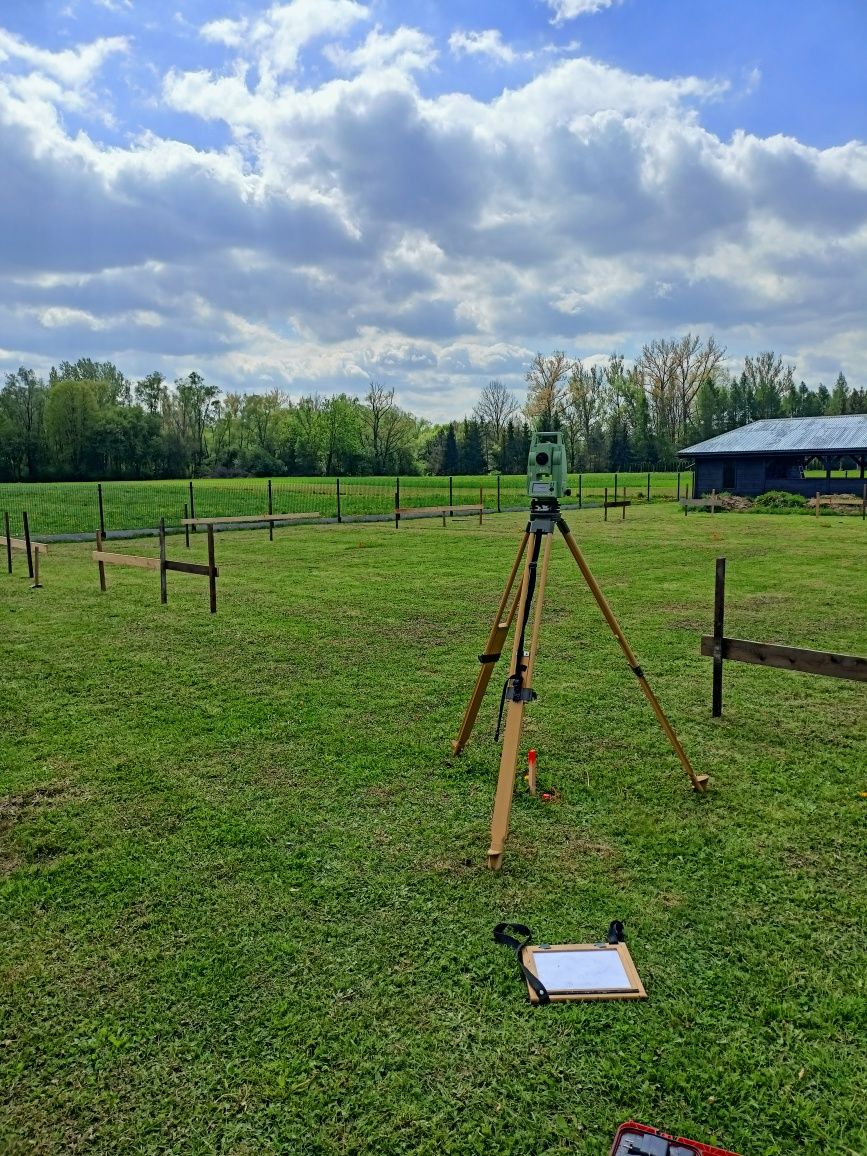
<point x="600" y="970"/>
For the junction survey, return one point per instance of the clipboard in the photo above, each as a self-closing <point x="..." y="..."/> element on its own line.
<point x="582" y="971"/>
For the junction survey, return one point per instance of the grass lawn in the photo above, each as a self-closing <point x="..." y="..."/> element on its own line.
<point x="243" y="900"/>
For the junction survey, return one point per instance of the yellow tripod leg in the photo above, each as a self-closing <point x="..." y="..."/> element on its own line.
<point x="699" y="782"/>
<point x="515" y="709"/>
<point x="493" y="649"/>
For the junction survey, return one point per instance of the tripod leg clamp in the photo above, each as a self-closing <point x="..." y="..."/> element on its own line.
<point x="485" y="658"/>
<point x="521" y="694"/>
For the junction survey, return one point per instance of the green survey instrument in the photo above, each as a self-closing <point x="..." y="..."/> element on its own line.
<point x="547" y="473"/>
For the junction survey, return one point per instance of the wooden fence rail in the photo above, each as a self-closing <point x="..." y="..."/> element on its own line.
<point x="720" y="649"/>
<point x="241" y="519"/>
<point x="444" y="512"/>
<point x="163" y="564"/>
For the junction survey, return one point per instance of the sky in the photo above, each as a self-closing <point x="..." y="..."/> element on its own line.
<point x="317" y="194"/>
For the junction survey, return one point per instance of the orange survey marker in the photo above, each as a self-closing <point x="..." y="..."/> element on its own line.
<point x="531" y="771"/>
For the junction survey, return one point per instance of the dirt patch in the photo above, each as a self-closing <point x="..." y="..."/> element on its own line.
<point x="14" y="809"/>
<point x="734" y="502"/>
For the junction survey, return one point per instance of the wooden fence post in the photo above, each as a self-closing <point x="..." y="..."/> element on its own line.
<point x="719" y="608"/>
<point x="164" y="593"/>
<point x="101" y="508"/>
<point x="27" y="540"/>
<point x="8" y="541"/>
<point x="212" y="570"/>
<point x="192" y="504"/>
<point x="99" y="545"/>
<point x="37" y="585"/>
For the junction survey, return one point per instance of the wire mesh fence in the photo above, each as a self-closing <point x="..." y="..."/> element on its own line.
<point x="84" y="507"/>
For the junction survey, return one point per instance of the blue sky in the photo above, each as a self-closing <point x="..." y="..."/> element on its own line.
<point x="317" y="193"/>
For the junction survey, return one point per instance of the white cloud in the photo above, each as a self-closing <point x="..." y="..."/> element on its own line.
<point x="72" y="66"/>
<point x="406" y="50"/>
<point x="487" y="43"/>
<point x="361" y="226"/>
<point x="570" y="9"/>
<point x="282" y="31"/>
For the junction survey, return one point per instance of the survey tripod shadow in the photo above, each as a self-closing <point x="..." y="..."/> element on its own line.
<point x="536" y="544"/>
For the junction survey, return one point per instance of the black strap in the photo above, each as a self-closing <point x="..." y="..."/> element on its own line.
<point x="501" y="936"/>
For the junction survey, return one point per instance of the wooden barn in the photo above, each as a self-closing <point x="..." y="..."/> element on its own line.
<point x="774" y="454"/>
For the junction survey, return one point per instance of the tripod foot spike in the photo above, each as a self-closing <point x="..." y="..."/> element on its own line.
<point x="495" y="860"/>
<point x="701" y="784"/>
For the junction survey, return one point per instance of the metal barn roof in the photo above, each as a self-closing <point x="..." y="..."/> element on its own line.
<point x="783" y="435"/>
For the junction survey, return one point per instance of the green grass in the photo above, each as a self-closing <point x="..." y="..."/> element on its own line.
<point x="244" y="902"/>
<point x="73" y="507"/>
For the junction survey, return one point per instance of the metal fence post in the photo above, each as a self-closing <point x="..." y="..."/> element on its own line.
<point x="192" y="504"/>
<point x="451" y="498"/>
<point x="270" y="512"/>
<point x="648" y="486"/>
<point x="339" y="518"/>
<point x="101" y="508"/>
<point x="499" y="511"/>
<point x="678" y="482"/>
<point x="580" y="481"/>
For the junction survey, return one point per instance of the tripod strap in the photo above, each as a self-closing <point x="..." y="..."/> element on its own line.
<point x="501" y="936"/>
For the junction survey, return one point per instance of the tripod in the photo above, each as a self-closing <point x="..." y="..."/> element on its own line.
<point x="518" y="691"/>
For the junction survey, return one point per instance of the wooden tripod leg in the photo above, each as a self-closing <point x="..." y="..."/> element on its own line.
<point x="699" y="782"/>
<point x="515" y="710"/>
<point x="493" y="649"/>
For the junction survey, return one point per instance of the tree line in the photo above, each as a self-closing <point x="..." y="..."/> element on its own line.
<point x="90" y="421"/>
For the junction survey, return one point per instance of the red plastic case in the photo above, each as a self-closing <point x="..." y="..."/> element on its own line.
<point x="638" y="1140"/>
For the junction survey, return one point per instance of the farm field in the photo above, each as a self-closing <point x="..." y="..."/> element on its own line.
<point x="73" y="507"/>
<point x="243" y="901"/>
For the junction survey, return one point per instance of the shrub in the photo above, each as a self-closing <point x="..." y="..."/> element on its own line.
<point x="779" y="501"/>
